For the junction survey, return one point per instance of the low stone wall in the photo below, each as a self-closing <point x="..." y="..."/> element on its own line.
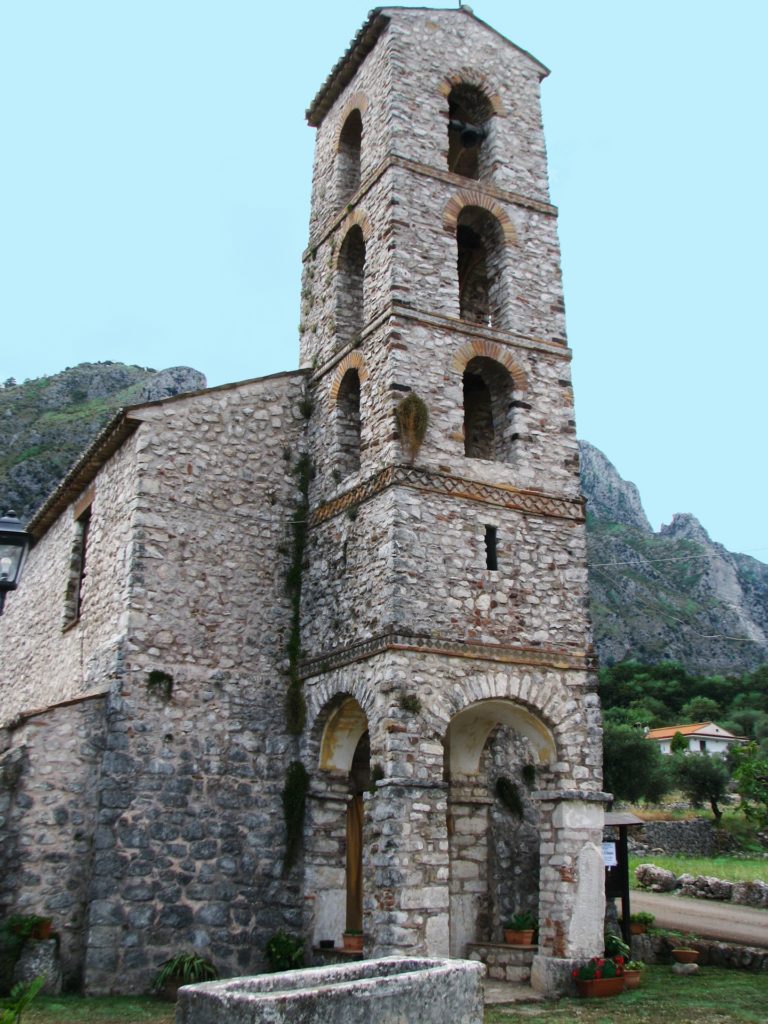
<point x="705" y="887"/>
<point x="695" y="838"/>
<point x="391" y="990"/>
<point x="655" y="949"/>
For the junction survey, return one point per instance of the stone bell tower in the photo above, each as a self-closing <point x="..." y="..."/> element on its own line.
<point x="444" y="626"/>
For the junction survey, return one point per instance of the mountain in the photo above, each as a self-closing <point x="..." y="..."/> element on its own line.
<point x="49" y="421"/>
<point x="667" y="596"/>
<point x="672" y="595"/>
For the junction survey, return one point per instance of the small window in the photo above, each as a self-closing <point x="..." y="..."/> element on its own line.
<point x="491" y="559"/>
<point x="73" y="601"/>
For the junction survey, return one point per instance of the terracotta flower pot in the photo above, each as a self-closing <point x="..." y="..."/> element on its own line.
<point x="353" y="942"/>
<point x="685" y="956"/>
<point x="43" y="929"/>
<point x="632" y="979"/>
<point x="637" y="929"/>
<point x="599" y="987"/>
<point x="515" y="938"/>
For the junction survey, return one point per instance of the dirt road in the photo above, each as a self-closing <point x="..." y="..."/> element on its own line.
<point x="726" y="921"/>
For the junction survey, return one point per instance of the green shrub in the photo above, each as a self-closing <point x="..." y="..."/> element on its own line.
<point x="284" y="952"/>
<point x="186" y="969"/>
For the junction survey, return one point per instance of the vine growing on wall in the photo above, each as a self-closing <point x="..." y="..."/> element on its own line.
<point x="295" y="705"/>
<point x="294" y="804"/>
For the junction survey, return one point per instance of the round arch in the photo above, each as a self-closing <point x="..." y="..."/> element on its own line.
<point x="478" y="348"/>
<point x="343" y="730"/>
<point x="478" y="79"/>
<point x="470" y="728"/>
<point x="468" y="197"/>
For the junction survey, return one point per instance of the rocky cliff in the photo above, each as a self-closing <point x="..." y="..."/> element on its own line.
<point x="49" y="421"/>
<point x="672" y="595"/>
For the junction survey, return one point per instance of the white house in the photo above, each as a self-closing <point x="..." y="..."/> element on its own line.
<point x="702" y="738"/>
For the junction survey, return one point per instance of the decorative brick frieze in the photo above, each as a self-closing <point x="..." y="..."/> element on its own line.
<point x="397" y="641"/>
<point x="527" y="502"/>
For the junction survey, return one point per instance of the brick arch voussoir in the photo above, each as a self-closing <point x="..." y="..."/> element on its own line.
<point x="351" y="361"/>
<point x="357" y="101"/>
<point x="480" y="347"/>
<point x="357" y="218"/>
<point x="480" y="80"/>
<point x="468" y="197"/>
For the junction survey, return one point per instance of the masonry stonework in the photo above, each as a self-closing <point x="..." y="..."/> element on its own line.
<point x="281" y="534"/>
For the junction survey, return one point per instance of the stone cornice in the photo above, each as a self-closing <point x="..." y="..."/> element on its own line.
<point x="332" y="222"/>
<point x="532" y="503"/>
<point x="395" y="640"/>
<point x="395" y="311"/>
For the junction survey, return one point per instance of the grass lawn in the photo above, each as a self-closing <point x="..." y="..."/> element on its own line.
<point x="106" y="1010"/>
<point x="731" y="869"/>
<point x="714" y="995"/>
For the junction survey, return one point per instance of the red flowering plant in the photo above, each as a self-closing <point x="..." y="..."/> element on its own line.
<point x="599" y="967"/>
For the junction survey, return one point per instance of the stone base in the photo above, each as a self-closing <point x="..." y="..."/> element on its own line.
<point x="504" y="962"/>
<point x="40" y="958"/>
<point x="552" y="976"/>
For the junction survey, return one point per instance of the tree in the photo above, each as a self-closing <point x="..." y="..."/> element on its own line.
<point x="633" y="767"/>
<point x="701" y="709"/>
<point x="751" y="777"/>
<point x="678" y="744"/>
<point x="703" y="779"/>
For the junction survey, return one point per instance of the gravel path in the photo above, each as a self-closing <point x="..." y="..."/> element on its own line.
<point x="708" y="918"/>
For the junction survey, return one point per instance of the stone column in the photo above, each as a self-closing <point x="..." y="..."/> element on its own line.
<point x="468" y="837"/>
<point x="407" y="870"/>
<point x="325" y="880"/>
<point x="572" y="886"/>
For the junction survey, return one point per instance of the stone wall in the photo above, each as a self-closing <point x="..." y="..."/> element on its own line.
<point x="696" y="838"/>
<point x="46" y="661"/>
<point x="191" y="835"/>
<point x="48" y="813"/>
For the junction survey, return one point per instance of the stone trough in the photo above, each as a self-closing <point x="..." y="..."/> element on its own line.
<point x="392" y="990"/>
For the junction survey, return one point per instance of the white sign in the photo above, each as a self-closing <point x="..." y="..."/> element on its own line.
<point x="609" y="855"/>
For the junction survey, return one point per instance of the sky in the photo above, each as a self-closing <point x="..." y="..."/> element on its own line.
<point x="154" y="205"/>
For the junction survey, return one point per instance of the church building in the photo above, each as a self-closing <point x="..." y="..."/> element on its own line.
<point x="311" y="651"/>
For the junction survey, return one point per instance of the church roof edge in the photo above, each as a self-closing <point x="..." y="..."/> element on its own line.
<point x="106" y="443"/>
<point x="364" y="41"/>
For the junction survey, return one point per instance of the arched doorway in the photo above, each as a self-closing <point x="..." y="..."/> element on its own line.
<point x="495" y="754"/>
<point x="335" y="846"/>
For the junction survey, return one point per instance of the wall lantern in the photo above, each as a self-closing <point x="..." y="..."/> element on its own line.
<point x="14" y="544"/>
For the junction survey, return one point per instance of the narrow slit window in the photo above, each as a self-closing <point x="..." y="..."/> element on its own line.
<point x="73" y="604"/>
<point x="491" y="559"/>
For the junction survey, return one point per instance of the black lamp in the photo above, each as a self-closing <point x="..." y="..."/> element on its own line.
<point x="14" y="544"/>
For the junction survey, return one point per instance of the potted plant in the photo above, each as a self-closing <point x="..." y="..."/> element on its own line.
<point x="519" y="929"/>
<point x="600" y="977"/>
<point x="182" y="969"/>
<point x="30" y="926"/>
<point x="685" y="955"/>
<point x="640" y="923"/>
<point x="353" y="940"/>
<point x="632" y="972"/>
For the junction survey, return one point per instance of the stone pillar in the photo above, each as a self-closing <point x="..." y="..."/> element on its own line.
<point x="407" y="870"/>
<point x="325" y="879"/>
<point x="572" y="886"/>
<point x="468" y="838"/>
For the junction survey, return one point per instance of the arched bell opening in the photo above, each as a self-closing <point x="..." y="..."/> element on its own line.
<point x="496" y="752"/>
<point x="469" y="122"/>
<point x="480" y="267"/>
<point x="348" y="157"/>
<point x="347" y="424"/>
<point x="336" y="834"/>
<point x="350" y="286"/>
<point x="489" y="430"/>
